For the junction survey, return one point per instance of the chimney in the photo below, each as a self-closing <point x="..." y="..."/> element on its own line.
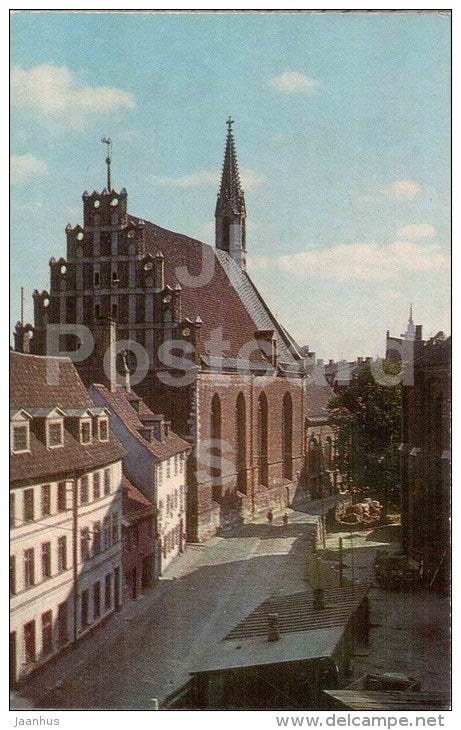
<point x="177" y="294"/>
<point x="319" y="599"/>
<point x="22" y="334"/>
<point x="273" y="633"/>
<point x="125" y="370"/>
<point x="330" y="362"/>
<point x="159" y="271"/>
<point x="359" y="360"/>
<point x="369" y="359"/>
<point x="104" y="368"/>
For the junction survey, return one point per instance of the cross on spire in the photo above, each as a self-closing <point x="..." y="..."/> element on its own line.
<point x="108" y="142"/>
<point x="229" y="123"/>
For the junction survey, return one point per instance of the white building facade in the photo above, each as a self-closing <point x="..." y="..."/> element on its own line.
<point x="155" y="463"/>
<point x="65" y="514"/>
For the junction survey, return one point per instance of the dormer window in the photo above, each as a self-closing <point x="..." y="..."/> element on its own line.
<point x="85" y="431"/>
<point x="55" y="434"/>
<point x="20" y="438"/>
<point x="103" y="429"/>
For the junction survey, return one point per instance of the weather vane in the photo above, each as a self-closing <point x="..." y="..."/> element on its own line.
<point x="108" y="142"/>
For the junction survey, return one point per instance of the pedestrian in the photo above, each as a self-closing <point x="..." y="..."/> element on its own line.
<point x="285" y="519"/>
<point x="270" y="517"/>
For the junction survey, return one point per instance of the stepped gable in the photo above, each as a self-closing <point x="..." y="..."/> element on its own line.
<point x="229" y="300"/>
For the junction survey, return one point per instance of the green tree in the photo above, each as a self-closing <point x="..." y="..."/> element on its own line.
<point x="367" y="418"/>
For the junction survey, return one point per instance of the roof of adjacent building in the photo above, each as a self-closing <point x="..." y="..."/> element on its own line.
<point x="305" y="633"/>
<point x="135" y="505"/>
<point x="225" y="296"/>
<point x="317" y="399"/>
<point x="120" y="402"/>
<point x="32" y="383"/>
<point x="30" y="391"/>
<point x="296" y="612"/>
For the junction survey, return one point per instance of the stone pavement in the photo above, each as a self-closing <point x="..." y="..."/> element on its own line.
<point x="144" y="651"/>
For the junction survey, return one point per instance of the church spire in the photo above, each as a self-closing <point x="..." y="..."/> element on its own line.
<point x="230" y="210"/>
<point x="411" y="329"/>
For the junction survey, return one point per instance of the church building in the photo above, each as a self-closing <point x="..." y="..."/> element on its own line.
<point x="214" y="359"/>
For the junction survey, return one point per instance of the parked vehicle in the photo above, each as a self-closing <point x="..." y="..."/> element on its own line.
<point x="396" y="571"/>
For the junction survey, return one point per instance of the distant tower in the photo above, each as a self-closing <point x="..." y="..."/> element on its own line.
<point x="230" y="211"/>
<point x="411" y="329"/>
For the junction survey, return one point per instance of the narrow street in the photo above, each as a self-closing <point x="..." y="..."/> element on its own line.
<point x="145" y="651"/>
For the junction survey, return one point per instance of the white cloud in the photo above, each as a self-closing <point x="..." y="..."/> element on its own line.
<point x="415" y="231"/>
<point x="366" y="261"/>
<point x="404" y="189"/>
<point x="293" y="82"/>
<point x="54" y="92"/>
<point x="23" y="167"/>
<point x="249" y="178"/>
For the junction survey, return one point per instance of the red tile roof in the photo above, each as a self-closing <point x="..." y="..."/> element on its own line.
<point x="29" y="384"/>
<point x="215" y="301"/>
<point x="119" y="403"/>
<point x="135" y="505"/>
<point x="29" y="389"/>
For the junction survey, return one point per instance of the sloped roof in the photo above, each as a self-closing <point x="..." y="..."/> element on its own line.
<point x="305" y="633"/>
<point x="29" y="390"/>
<point x="119" y="402"/>
<point x="317" y="399"/>
<point x="296" y="612"/>
<point x="225" y="298"/>
<point x="135" y="505"/>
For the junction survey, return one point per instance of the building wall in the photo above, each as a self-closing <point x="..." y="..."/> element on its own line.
<point x="320" y="475"/>
<point x="171" y="505"/>
<point x="138" y="557"/>
<point x="28" y="604"/>
<point x="425" y="459"/>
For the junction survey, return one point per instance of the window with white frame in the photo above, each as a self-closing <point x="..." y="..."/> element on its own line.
<point x="55" y="434"/>
<point x="103" y="429"/>
<point x="159" y="474"/>
<point x="28" y="505"/>
<point x="106" y="482"/>
<point x="20" y="438"/>
<point x="168" y="468"/>
<point x="85" y="431"/>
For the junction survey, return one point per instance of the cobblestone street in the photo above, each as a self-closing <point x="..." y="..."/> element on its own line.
<point x="145" y="651"/>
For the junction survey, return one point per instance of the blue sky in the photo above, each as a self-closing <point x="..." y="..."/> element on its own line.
<point x="342" y="127"/>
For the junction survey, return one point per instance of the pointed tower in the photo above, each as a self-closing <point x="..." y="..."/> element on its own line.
<point x="230" y="211"/>
<point x="410" y="333"/>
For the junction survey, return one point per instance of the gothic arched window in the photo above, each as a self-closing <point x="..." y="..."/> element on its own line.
<point x="287" y="436"/>
<point x="262" y="439"/>
<point x="240" y="443"/>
